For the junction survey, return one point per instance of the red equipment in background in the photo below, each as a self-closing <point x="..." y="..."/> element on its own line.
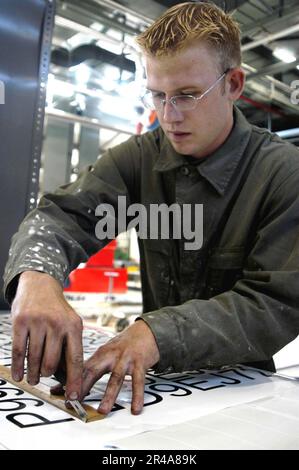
<point x="99" y="275"/>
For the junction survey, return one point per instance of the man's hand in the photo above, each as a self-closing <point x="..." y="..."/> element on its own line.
<point x="45" y="323"/>
<point x="132" y="352"/>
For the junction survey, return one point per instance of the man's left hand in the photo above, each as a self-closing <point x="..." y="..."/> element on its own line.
<point x="132" y="352"/>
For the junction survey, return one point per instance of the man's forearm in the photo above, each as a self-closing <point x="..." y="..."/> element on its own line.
<point x="233" y="327"/>
<point x="40" y="246"/>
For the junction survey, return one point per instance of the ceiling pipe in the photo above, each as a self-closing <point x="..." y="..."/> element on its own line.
<point x="69" y="58"/>
<point x="273" y="97"/>
<point x="263" y="23"/>
<point x="80" y="28"/>
<point x="92" y="13"/>
<point x="270" y="38"/>
<point x="117" y="6"/>
<point x="288" y="133"/>
<point x="272" y="69"/>
<point x="263" y="106"/>
<point x="94" y="123"/>
<point x="276" y="83"/>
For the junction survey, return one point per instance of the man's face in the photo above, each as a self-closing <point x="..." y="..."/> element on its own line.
<point x="193" y="70"/>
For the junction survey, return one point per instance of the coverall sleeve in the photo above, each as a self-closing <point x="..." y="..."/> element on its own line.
<point x="60" y="233"/>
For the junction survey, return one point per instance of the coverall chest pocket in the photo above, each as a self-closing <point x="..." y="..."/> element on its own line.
<point x="224" y="269"/>
<point x="157" y="255"/>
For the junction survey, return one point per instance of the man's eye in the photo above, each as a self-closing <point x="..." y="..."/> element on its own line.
<point x="193" y="93"/>
<point x="159" y="96"/>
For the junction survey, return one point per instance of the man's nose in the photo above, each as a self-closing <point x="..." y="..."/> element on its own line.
<point x="171" y="112"/>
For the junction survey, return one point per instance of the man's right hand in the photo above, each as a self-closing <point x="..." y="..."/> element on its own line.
<point x="46" y="324"/>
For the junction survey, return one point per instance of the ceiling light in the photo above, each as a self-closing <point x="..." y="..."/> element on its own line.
<point x="58" y="87"/>
<point x="82" y="73"/>
<point x="285" y="55"/>
<point x="75" y="158"/>
<point x="79" y="102"/>
<point x="97" y="26"/>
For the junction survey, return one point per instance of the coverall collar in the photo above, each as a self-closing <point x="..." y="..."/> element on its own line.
<point x="219" y="167"/>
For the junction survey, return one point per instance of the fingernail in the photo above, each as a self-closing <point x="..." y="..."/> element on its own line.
<point x="73" y="396"/>
<point x="16" y="376"/>
<point x="102" y="411"/>
<point x="32" y="382"/>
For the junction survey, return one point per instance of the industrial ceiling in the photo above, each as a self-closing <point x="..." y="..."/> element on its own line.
<point x="99" y="35"/>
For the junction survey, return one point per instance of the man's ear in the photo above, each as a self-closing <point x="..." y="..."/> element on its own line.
<point x="235" y="83"/>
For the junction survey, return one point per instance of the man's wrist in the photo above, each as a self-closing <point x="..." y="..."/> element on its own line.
<point x="27" y="277"/>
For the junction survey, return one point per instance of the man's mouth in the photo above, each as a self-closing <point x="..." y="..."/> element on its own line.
<point x="178" y="136"/>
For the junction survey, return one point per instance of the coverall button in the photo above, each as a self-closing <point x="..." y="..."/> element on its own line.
<point x="185" y="170"/>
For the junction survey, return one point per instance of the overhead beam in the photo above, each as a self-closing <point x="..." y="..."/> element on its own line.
<point x="267" y="21"/>
<point x="275" y="96"/>
<point x="93" y="123"/>
<point x="273" y="69"/>
<point x="112" y="5"/>
<point x="270" y="38"/>
<point x="229" y="5"/>
<point x="87" y="9"/>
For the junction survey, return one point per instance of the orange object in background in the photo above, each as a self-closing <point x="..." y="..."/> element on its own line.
<point x="98" y="275"/>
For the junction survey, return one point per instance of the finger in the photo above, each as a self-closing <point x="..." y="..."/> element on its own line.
<point x="100" y="363"/>
<point x="19" y="346"/>
<point x="113" y="387"/>
<point x="34" y="356"/>
<point x="57" y="390"/>
<point x="51" y="356"/>
<point x="138" y="381"/>
<point x="36" y="341"/>
<point x="90" y="376"/>
<point x="74" y="363"/>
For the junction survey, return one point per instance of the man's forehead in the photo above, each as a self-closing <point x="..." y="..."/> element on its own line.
<point x="192" y="66"/>
<point x="192" y="52"/>
<point x="174" y="86"/>
<point x="172" y="79"/>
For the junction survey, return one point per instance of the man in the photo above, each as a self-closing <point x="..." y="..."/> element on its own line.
<point x="233" y="300"/>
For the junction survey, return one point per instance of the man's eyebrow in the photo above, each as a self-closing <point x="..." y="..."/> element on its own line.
<point x="178" y="90"/>
<point x="152" y="89"/>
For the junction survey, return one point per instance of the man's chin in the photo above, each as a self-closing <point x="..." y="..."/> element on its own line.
<point x="182" y="148"/>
